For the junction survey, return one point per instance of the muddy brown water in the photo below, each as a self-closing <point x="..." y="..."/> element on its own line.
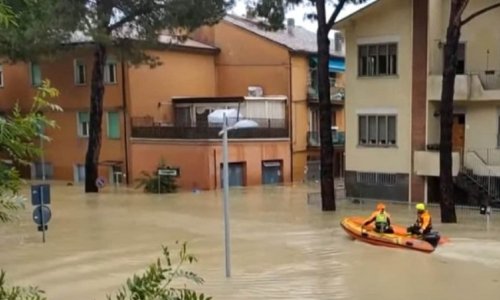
<point x="282" y="247"/>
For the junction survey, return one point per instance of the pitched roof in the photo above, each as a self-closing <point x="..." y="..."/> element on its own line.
<point x="296" y="38"/>
<point x="79" y="37"/>
<point x="342" y="22"/>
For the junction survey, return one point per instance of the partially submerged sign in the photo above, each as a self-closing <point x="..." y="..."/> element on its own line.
<point x="173" y="172"/>
<point x="40" y="198"/>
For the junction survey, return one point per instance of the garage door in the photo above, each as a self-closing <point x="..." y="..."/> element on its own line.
<point x="272" y="172"/>
<point x="236" y="174"/>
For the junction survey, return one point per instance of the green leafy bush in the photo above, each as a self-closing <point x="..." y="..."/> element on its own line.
<point x="19" y="134"/>
<point x="151" y="184"/>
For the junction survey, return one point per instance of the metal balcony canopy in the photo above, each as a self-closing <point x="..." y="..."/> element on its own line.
<point x="335" y="64"/>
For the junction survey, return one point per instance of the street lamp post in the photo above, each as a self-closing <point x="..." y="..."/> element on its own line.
<point x="225" y="180"/>
<point x="225" y="183"/>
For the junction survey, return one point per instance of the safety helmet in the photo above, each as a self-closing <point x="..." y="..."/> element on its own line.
<point x="420" y="206"/>
<point x="380" y="206"/>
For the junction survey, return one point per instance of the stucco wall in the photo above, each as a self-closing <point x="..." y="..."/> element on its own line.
<point x="247" y="59"/>
<point x="181" y="74"/>
<point x="199" y="162"/>
<point x="380" y="93"/>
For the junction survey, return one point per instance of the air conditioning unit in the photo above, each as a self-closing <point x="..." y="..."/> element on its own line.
<point x="255" y="91"/>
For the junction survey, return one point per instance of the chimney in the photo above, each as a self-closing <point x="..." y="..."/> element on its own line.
<point x="290" y="24"/>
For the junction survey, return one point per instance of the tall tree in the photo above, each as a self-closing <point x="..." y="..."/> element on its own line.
<point x="455" y="23"/>
<point x="128" y="27"/>
<point x="274" y="12"/>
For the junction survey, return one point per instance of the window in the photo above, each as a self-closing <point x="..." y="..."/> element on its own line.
<point x="80" y="78"/>
<point x="338" y="41"/>
<point x="1" y="75"/>
<point x="110" y="72"/>
<point x="83" y="124"/>
<point x="36" y="74"/>
<point x="460" y="69"/>
<point x="42" y="171"/>
<point x="377" y="130"/>
<point x="114" y="125"/>
<point x="385" y="179"/>
<point x="377" y="59"/>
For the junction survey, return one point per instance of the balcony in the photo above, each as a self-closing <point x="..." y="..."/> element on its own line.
<point x="476" y="86"/>
<point x="313" y="140"/>
<point x="337" y="95"/>
<point x="426" y="163"/>
<point x="268" y="129"/>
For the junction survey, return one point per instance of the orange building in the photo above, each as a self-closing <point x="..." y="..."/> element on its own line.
<point x="282" y="62"/>
<point x="162" y="113"/>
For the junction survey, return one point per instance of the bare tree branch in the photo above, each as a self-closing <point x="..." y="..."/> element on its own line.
<point x="335" y="14"/>
<point x="479" y="12"/>
<point x="459" y="14"/>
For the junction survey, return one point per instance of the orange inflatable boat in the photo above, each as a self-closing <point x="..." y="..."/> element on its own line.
<point x="398" y="239"/>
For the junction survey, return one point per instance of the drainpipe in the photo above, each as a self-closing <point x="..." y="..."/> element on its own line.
<point x="125" y="115"/>
<point x="290" y="114"/>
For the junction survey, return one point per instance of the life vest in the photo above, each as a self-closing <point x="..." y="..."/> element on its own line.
<point x="381" y="218"/>
<point x="421" y="220"/>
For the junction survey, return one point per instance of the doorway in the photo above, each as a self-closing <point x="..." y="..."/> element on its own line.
<point x="272" y="172"/>
<point x="458" y="134"/>
<point x="236" y="174"/>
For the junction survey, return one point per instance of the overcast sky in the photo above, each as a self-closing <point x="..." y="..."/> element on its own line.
<point x="299" y="13"/>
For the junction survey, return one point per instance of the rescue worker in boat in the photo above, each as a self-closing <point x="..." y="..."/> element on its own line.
<point x="381" y="218"/>
<point x="423" y="225"/>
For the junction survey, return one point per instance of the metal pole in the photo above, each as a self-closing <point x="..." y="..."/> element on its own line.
<point x="42" y="155"/>
<point x="225" y="174"/>
<point x="41" y="213"/>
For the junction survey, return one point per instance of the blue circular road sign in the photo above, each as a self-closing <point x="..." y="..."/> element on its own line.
<point x="42" y="211"/>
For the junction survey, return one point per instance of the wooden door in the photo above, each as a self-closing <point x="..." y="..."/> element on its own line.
<point x="458" y="133"/>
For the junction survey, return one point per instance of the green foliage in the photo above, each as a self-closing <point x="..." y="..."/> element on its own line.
<point x="36" y="32"/>
<point x="6" y="15"/>
<point x="149" y="181"/>
<point x="19" y="293"/>
<point x="156" y="283"/>
<point x="274" y="11"/>
<point x="19" y="134"/>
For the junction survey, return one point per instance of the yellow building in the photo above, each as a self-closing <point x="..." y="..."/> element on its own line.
<point x="393" y="80"/>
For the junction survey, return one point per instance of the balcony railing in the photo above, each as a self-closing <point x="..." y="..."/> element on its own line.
<point x="313" y="139"/>
<point x="267" y="129"/>
<point x="337" y="94"/>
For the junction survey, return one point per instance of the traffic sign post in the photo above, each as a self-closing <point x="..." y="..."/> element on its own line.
<point x="168" y="171"/>
<point x="40" y="199"/>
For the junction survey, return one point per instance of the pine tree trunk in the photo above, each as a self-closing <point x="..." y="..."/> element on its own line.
<point x="325" y="121"/>
<point x="95" y="122"/>
<point x="447" y="203"/>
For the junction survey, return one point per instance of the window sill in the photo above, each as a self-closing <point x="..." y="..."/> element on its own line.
<point x="114" y="138"/>
<point x="377" y="146"/>
<point x="111" y="83"/>
<point x="378" y="77"/>
<point x="81" y="84"/>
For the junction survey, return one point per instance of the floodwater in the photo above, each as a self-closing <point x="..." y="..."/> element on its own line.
<point x="282" y="248"/>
